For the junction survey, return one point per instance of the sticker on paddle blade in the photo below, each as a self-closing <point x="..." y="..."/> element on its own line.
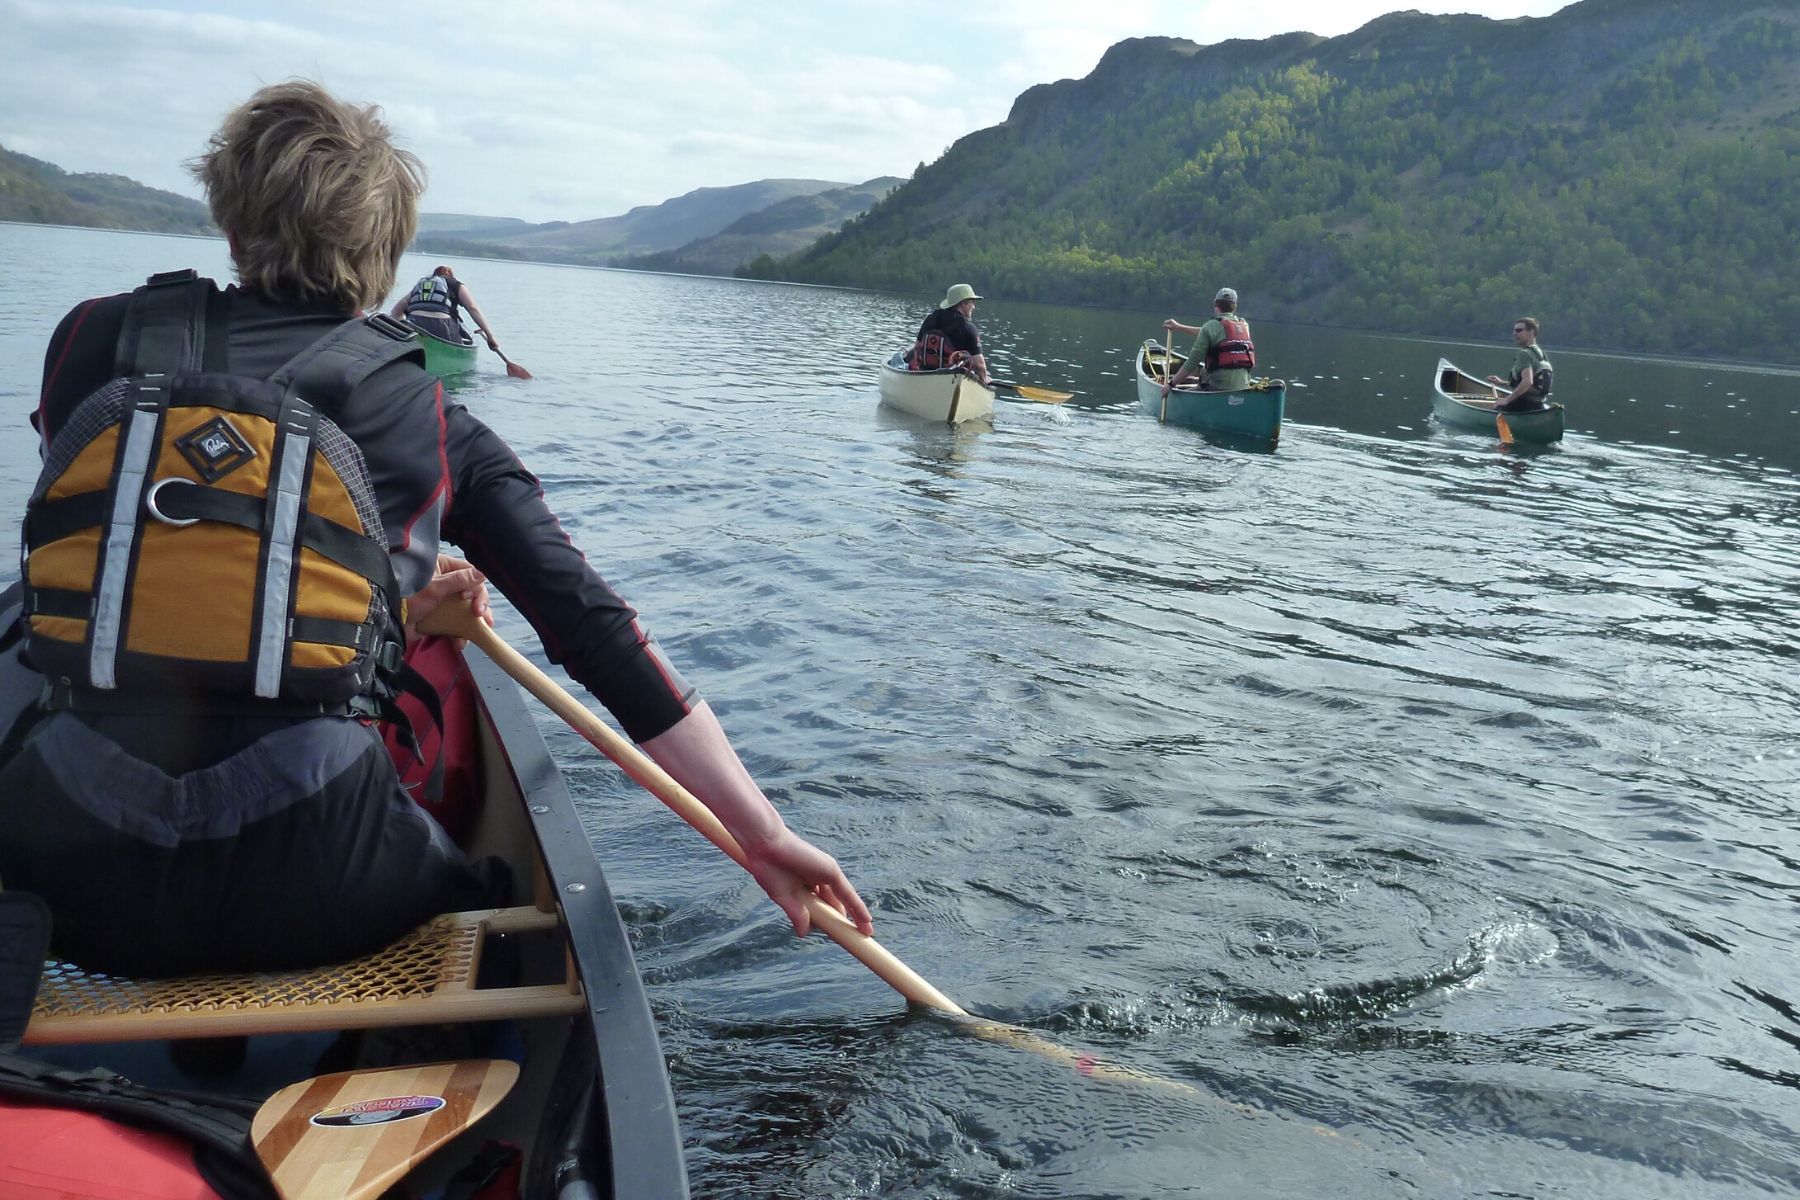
<point x="378" y="1112"/>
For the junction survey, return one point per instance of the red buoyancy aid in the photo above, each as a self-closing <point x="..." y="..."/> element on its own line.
<point x="935" y="352"/>
<point x="1236" y="352"/>
<point x="443" y="776"/>
<point x="54" y="1153"/>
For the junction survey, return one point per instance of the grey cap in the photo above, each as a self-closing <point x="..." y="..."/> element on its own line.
<point x="1225" y="294"/>
<point x="957" y="294"/>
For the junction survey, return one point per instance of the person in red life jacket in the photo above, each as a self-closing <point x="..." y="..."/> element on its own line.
<point x="1223" y="353"/>
<point x="948" y="338"/>
<point x="434" y="303"/>
<point x="1532" y="376"/>
<point x="175" y="825"/>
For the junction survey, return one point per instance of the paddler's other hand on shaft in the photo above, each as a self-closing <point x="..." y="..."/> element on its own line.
<point x="789" y="867"/>
<point x="455" y="577"/>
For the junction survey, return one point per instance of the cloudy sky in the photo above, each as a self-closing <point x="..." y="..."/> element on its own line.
<point x="571" y="109"/>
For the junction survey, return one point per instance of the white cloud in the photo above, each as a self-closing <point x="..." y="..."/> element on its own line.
<point x="573" y="109"/>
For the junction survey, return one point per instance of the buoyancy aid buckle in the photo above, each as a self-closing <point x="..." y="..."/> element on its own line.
<point x="150" y="502"/>
<point x="392" y="327"/>
<point x="168" y="278"/>
<point x="389" y="656"/>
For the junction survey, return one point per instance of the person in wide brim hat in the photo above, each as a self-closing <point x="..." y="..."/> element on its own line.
<point x="947" y="338"/>
<point x="958" y="294"/>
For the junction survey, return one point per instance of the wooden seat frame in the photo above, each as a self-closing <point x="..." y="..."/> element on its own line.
<point x="427" y="977"/>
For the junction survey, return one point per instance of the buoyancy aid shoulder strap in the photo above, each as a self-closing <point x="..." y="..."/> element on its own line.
<point x="175" y="322"/>
<point x="24" y="941"/>
<point x="20" y="686"/>
<point x="329" y="370"/>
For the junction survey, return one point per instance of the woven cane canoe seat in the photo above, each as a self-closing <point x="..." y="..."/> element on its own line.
<point x="427" y="977"/>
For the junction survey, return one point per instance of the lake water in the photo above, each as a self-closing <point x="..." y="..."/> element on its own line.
<point x="1427" y="808"/>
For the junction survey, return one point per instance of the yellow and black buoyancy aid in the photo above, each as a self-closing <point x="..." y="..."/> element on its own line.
<point x="194" y="531"/>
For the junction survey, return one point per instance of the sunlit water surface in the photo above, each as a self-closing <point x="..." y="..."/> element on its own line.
<point x="1426" y="809"/>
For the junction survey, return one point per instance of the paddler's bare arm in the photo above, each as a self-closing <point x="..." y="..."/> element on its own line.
<point x="696" y="752"/>
<point x="467" y="299"/>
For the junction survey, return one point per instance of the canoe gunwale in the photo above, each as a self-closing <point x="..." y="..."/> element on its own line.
<point x="635" y="1118"/>
<point x="427" y="337"/>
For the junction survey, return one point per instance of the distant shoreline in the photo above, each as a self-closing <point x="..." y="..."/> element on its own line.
<point x="1770" y="368"/>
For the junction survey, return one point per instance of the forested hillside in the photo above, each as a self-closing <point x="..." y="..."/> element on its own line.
<point x="32" y="190"/>
<point x="1624" y="170"/>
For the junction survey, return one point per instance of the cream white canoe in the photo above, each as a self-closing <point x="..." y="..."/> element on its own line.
<point x="950" y="395"/>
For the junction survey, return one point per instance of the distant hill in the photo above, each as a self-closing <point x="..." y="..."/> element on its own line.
<point x="462" y="225"/>
<point x="647" y="229"/>
<point x="41" y="192"/>
<point x="1623" y="170"/>
<point x="785" y="215"/>
<point x="785" y="227"/>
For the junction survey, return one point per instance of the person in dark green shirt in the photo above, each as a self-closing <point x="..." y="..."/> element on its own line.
<point x="1223" y="353"/>
<point x="1531" y="374"/>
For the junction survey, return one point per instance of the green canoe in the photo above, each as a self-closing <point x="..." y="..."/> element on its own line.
<point x="447" y="358"/>
<point x="1461" y="401"/>
<point x="1253" y="413"/>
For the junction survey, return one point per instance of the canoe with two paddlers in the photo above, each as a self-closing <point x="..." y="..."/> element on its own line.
<point x="1461" y="401"/>
<point x="951" y="394"/>
<point x="1253" y="413"/>
<point x="510" y="1042"/>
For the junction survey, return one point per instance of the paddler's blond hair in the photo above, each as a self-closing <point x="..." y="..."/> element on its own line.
<point x="316" y="199"/>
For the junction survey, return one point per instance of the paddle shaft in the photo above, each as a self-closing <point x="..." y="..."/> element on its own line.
<point x="1168" y="377"/>
<point x="635" y="763"/>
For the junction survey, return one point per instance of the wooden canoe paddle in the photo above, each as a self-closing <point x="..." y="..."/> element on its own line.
<point x="512" y="368"/>
<point x="353" y="1135"/>
<point x="1500" y="425"/>
<point x="1026" y="392"/>
<point x="453" y="618"/>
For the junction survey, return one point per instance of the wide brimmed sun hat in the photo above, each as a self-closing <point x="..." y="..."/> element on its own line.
<point x="957" y="294"/>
